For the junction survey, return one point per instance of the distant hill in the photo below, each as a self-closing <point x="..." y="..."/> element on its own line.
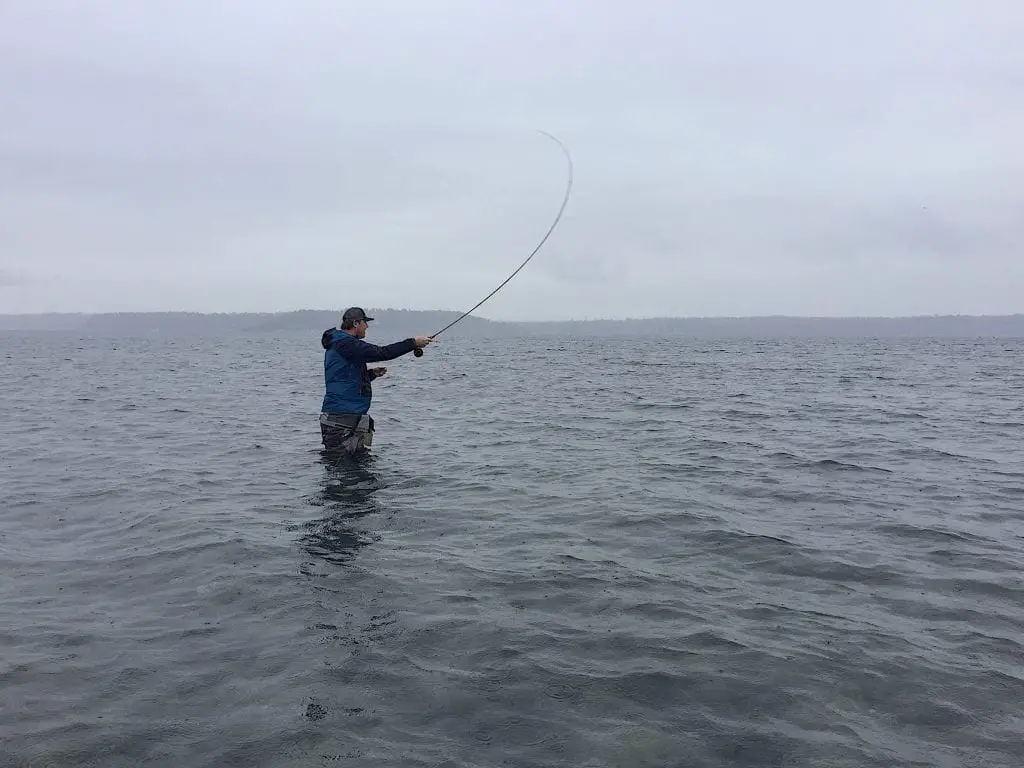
<point x="397" y="323"/>
<point x="925" y="326"/>
<point x="386" y="322"/>
<point x="53" y="321"/>
<point x="392" y="324"/>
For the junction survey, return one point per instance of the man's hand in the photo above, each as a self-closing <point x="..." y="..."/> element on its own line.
<point x="422" y="341"/>
<point x="378" y="372"/>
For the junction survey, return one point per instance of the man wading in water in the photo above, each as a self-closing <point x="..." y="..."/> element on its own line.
<point x="345" y="425"/>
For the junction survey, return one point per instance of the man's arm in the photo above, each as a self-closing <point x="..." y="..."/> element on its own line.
<point x="359" y="351"/>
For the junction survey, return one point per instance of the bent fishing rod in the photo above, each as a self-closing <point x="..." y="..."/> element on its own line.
<point x="565" y="200"/>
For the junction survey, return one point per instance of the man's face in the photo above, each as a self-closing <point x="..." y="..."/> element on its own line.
<point x="359" y="329"/>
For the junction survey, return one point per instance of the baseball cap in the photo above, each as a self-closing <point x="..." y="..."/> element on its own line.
<point x="355" y="314"/>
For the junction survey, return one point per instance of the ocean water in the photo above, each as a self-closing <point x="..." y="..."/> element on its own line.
<point x="623" y="552"/>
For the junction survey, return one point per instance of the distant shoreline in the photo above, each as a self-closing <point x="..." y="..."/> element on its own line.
<point x="400" y="322"/>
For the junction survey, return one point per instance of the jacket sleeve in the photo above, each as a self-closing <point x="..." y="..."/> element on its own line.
<point x="359" y="351"/>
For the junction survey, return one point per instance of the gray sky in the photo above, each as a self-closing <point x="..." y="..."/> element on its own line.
<point x="794" y="156"/>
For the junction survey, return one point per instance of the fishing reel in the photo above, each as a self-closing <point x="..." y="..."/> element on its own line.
<point x="418" y="352"/>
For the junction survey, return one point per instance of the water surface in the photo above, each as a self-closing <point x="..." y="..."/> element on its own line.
<point x="633" y="552"/>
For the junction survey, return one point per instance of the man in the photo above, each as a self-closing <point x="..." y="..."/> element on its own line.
<point x="345" y="425"/>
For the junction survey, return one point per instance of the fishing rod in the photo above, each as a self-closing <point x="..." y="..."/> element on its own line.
<point x="568" y="189"/>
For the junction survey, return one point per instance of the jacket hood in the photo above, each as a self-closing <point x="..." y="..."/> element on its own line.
<point x="329" y="336"/>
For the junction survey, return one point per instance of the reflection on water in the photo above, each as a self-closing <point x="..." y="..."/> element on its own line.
<point x="346" y="493"/>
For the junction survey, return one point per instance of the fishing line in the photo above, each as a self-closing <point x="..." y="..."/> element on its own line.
<point x="565" y="200"/>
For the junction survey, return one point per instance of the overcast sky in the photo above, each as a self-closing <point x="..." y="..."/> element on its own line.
<point x="735" y="158"/>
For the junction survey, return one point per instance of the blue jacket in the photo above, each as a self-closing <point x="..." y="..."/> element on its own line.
<point x="346" y="377"/>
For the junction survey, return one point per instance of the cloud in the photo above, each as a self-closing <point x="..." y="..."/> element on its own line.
<point x="9" y="278"/>
<point x="784" y="157"/>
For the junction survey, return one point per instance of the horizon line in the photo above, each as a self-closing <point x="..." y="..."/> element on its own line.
<point x="640" y="318"/>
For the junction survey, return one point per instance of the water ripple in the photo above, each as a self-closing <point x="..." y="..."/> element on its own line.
<point x="750" y="553"/>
